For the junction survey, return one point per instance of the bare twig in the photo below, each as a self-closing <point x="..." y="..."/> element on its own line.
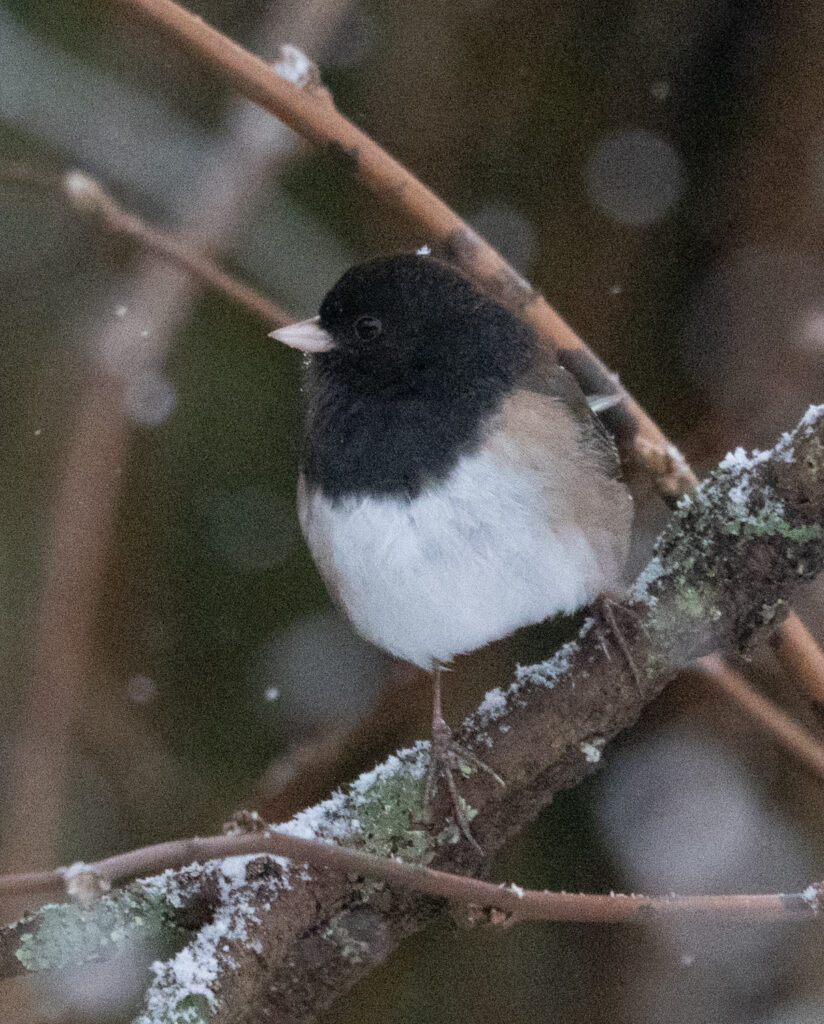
<point x="88" y="197"/>
<point x="498" y="903"/>
<point x="801" y="656"/>
<point x="801" y="743"/>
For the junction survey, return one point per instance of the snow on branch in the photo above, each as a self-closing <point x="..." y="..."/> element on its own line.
<point x="261" y="937"/>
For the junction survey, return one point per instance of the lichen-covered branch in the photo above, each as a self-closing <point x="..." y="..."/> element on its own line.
<point x="280" y="942"/>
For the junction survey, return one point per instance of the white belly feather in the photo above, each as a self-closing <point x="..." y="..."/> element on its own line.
<point x="472" y="560"/>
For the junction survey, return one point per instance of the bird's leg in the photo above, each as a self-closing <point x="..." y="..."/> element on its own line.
<point x="604" y="608"/>
<point x="447" y="756"/>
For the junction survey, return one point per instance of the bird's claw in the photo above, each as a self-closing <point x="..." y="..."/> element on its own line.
<point x="447" y="757"/>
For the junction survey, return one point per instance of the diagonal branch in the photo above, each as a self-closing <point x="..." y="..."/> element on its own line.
<point x="800" y="742"/>
<point x="722" y="573"/>
<point x="310" y="111"/>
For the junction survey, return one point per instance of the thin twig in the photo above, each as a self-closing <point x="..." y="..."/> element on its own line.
<point x="794" y="737"/>
<point x="485" y="898"/>
<point x="801" y="656"/>
<point x="88" y="197"/>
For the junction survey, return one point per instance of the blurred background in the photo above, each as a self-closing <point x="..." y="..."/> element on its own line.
<point x="167" y="652"/>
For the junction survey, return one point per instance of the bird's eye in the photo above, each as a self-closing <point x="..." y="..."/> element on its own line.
<point x="368" y="327"/>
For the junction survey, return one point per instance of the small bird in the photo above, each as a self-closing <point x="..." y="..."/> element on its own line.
<point x="455" y="481"/>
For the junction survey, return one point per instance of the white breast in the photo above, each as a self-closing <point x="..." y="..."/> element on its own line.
<point x="469" y="561"/>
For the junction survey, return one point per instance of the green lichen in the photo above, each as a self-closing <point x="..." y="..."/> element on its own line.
<point x="191" y="1009"/>
<point x="449" y="835"/>
<point x="385" y="812"/>
<point x="352" y="949"/>
<point x="769" y="612"/>
<point x="690" y="602"/>
<point x="63" y="935"/>
<point x="770" y="522"/>
<point x="469" y="811"/>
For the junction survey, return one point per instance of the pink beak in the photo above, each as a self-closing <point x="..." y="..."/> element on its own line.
<point x="307" y="335"/>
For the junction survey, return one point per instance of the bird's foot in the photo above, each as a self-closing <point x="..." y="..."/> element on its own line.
<point x="447" y="758"/>
<point x="604" y="608"/>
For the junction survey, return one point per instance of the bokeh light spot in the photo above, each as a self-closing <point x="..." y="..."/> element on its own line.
<point x="635" y="177"/>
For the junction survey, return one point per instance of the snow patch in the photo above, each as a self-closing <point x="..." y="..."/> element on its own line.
<point x="335" y="819"/>
<point x="547" y="673"/>
<point x="197" y="968"/>
<point x="294" y="66"/>
<point x="812" y="896"/>
<point x="492" y="706"/>
<point x="652" y="571"/>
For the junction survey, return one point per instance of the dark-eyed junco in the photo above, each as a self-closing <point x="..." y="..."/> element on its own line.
<point x="455" y="482"/>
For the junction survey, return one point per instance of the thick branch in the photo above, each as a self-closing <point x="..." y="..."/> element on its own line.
<point x="722" y="572"/>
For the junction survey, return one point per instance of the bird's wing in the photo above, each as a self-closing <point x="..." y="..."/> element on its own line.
<point x="547" y="377"/>
<point x="546" y="435"/>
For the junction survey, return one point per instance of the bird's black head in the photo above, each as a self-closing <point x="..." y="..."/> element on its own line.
<point x="409" y="359"/>
<point x="413" y="324"/>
